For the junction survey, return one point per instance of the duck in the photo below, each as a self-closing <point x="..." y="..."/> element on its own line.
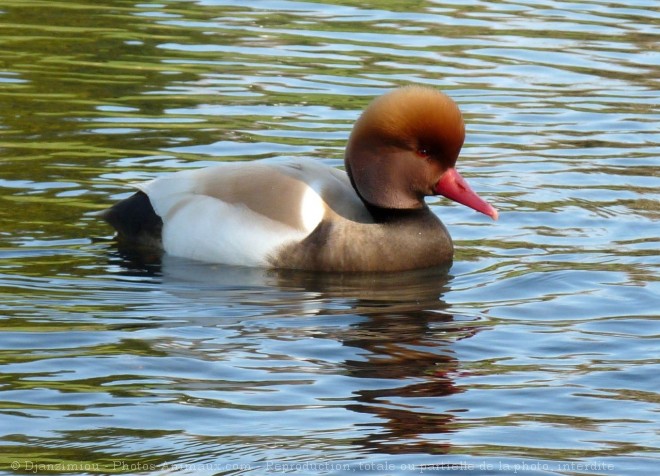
<point x="300" y="213"/>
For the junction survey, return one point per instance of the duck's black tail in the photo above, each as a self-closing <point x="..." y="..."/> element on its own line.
<point x="135" y="220"/>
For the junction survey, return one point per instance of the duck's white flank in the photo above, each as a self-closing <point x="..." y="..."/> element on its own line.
<point x="206" y="217"/>
<point x="312" y="207"/>
<point x="209" y="229"/>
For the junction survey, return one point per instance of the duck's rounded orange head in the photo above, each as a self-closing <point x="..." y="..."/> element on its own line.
<point x="404" y="147"/>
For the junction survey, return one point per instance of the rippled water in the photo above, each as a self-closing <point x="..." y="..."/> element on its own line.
<point x="537" y="352"/>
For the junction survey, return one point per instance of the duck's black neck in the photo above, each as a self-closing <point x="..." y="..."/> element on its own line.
<point x="389" y="215"/>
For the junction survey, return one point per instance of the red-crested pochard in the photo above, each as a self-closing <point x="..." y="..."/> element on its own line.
<point x="301" y="214"/>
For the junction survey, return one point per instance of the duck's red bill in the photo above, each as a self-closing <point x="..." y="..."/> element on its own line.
<point x="454" y="187"/>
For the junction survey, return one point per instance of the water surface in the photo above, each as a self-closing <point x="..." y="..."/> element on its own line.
<point x="537" y="352"/>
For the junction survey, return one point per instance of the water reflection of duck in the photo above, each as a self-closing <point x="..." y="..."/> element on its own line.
<point x="299" y="213"/>
<point x="397" y="330"/>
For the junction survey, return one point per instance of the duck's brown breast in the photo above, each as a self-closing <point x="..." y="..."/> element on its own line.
<point x="418" y="240"/>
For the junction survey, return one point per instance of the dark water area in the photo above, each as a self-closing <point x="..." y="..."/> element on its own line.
<point x="536" y="352"/>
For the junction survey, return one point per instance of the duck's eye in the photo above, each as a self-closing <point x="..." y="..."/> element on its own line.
<point x="423" y="152"/>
